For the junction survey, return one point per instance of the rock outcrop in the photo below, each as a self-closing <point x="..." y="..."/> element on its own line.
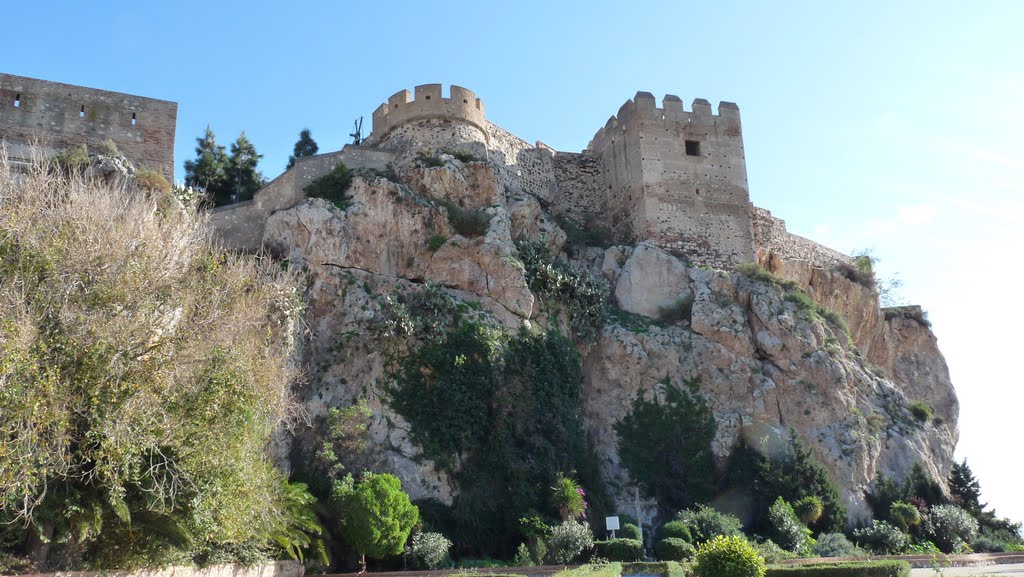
<point x="767" y="363"/>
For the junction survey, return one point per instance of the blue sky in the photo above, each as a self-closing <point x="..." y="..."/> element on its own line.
<point x="890" y="126"/>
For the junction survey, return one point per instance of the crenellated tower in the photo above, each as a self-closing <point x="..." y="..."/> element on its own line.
<point x="678" y="178"/>
<point x="426" y="118"/>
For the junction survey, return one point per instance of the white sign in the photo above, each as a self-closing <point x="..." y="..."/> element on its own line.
<point x="611" y="523"/>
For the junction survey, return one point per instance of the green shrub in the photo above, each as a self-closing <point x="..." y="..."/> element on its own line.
<point x="809" y="509"/>
<point x="904" y="514"/>
<point x="912" y="312"/>
<point x="630" y="531"/>
<point x="620" y="549"/>
<point x="673" y="549"/>
<point x="803" y="302"/>
<point x="332" y="186"/>
<point x="676" y="530"/>
<point x="834" y="545"/>
<point x="567" y="541"/>
<point x="428" y="550"/>
<point x="436" y="242"/>
<point x="469" y="222"/>
<point x="72" y="160"/>
<point x="852" y="569"/>
<point x="728" y="557"/>
<point x="658" y="568"/>
<point x="772" y="553"/>
<point x="151" y="179"/>
<point x="109" y="148"/>
<point x="921" y="411"/>
<point x="881" y="538"/>
<point x="785" y="528"/>
<point x="950" y="527"/>
<point x="579" y="294"/>
<point x="757" y="273"/>
<point x="705" y="523"/>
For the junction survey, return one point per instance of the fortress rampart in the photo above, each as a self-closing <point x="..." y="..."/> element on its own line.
<point x="403" y="108"/>
<point x="54" y="116"/>
<point x="670" y="175"/>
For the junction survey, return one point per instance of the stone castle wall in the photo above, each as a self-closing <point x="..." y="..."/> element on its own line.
<point x="55" y="116"/>
<point x="772" y="238"/>
<point x="462" y="106"/>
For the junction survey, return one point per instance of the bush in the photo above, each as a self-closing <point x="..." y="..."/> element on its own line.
<point x="332" y="186"/>
<point x="785" y="528"/>
<point x="620" y="549"/>
<point x="657" y="568"/>
<point x="950" y="527"/>
<point x="853" y="569"/>
<point x="757" y="273"/>
<point x="630" y="531"/>
<point x="834" y="545"/>
<point x="581" y="296"/>
<point x="72" y="160"/>
<point x="673" y="549"/>
<point x="568" y="540"/>
<point x="592" y="570"/>
<point x="705" y="523"/>
<point x="151" y="180"/>
<point x="881" y="538"/>
<point x="772" y="553"/>
<point x="728" y="557"/>
<point x="428" y="550"/>
<point x="469" y="222"/>
<point x="904" y="514"/>
<point x="676" y="530"/>
<point x="809" y="509"/>
<point x="436" y="242"/>
<point x="921" y="411"/>
<point x="913" y="312"/>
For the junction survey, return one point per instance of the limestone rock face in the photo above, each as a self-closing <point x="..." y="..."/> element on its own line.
<point x="765" y="365"/>
<point x="651" y="282"/>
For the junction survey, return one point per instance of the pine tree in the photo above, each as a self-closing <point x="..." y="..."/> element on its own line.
<point x="206" y="172"/>
<point x="305" y="146"/>
<point x="242" y="180"/>
<point x="965" y="488"/>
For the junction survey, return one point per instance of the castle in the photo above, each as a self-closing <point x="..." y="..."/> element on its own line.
<point x="667" y="175"/>
<point x="51" y="116"/>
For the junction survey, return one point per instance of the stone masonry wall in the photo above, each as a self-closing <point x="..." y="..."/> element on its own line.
<point x="580" y="195"/>
<point x="55" y="116"/>
<point x="522" y="167"/>
<point x="241" y="225"/>
<point x="771" y="237"/>
<point x="401" y="108"/>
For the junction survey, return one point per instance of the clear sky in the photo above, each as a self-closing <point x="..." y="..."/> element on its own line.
<point x="890" y="126"/>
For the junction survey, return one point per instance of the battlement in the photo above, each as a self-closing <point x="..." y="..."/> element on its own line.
<point x="643" y="108"/>
<point x="426" y="102"/>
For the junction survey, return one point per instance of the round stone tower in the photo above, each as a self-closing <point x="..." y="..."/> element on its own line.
<point x="429" y="120"/>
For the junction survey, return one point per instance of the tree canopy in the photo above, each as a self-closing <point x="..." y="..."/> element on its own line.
<point x="305" y="146"/>
<point x="376" y="515"/>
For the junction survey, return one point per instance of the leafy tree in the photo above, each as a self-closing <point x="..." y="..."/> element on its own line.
<point x="950" y="527"/>
<point x="134" y="438"/>
<point x="705" y="522"/>
<point x="965" y="488"/>
<point x="207" y="171"/>
<point x="568" y="498"/>
<point x="240" y="174"/>
<point x="305" y="146"/>
<point x="666" y="445"/>
<point x="785" y="528"/>
<point x="376" y="515"/>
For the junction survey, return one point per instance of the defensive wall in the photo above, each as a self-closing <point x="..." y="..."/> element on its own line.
<point x="54" y="116"/>
<point x="667" y="174"/>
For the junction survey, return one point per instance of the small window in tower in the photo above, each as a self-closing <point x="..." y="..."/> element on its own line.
<point x="134" y="121"/>
<point x="81" y="113"/>
<point x="17" y="101"/>
<point x="692" y="148"/>
<point x="428" y="97"/>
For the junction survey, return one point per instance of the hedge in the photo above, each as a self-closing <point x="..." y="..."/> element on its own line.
<point x="853" y="569"/>
<point x="660" y="568"/>
<point x="619" y="549"/>
<point x="595" y="570"/>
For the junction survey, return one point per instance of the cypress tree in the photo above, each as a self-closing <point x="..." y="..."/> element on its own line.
<point x="305" y="146"/>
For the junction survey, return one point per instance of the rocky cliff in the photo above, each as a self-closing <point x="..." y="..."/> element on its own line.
<point x="768" y="360"/>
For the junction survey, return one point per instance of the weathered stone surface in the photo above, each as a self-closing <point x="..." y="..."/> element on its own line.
<point x="529" y="222"/>
<point x="651" y="282"/>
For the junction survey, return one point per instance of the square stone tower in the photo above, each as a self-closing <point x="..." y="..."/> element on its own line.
<point x="678" y="178"/>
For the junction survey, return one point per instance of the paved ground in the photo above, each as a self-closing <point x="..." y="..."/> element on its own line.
<point x="1008" y="570"/>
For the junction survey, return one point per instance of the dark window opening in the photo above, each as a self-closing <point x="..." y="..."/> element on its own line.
<point x="81" y="113"/>
<point x="464" y="101"/>
<point x="428" y="97"/>
<point x="17" y="101"/>
<point x="133" y="119"/>
<point x="692" y="148"/>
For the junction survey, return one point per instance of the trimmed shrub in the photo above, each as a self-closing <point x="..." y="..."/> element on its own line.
<point x="428" y="550"/>
<point x="706" y="522"/>
<point x="881" y="538"/>
<point x="950" y="527"/>
<point x="673" y="549"/>
<point x="630" y="531"/>
<point x="591" y="570"/>
<point x="772" y="553"/>
<point x="834" y="545"/>
<point x="620" y="549"/>
<point x="785" y="528"/>
<point x="568" y="540"/>
<point x="854" y="569"/>
<point x="676" y="530"/>
<point x="658" y="568"/>
<point x="728" y="557"/>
